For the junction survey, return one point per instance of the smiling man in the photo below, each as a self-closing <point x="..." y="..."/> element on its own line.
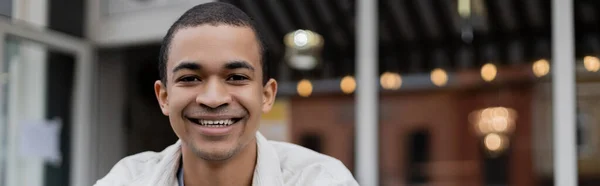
<point x="214" y="88"/>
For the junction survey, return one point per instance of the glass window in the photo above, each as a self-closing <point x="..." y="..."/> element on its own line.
<point x="474" y="75"/>
<point x="36" y="89"/>
<point x="587" y="51"/>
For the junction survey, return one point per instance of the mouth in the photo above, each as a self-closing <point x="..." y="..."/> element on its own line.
<point x="214" y="123"/>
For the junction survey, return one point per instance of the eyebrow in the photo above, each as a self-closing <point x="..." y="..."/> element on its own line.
<point x="232" y="65"/>
<point x="187" y="65"/>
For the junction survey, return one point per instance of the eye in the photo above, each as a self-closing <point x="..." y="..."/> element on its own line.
<point x="188" y="79"/>
<point x="237" y="77"/>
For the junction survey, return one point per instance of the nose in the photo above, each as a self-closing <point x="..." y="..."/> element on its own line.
<point x="213" y="95"/>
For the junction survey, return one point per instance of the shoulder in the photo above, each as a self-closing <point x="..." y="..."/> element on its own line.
<point x="131" y="168"/>
<point x="302" y="166"/>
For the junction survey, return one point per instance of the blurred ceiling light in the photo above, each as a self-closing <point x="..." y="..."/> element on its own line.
<point x="304" y="88"/>
<point x="500" y="112"/>
<point x="468" y="8"/>
<point x="488" y="72"/>
<point x="303" y="49"/>
<point x="541" y="67"/>
<point x="300" y="38"/>
<point x="390" y="81"/>
<point x="481" y="122"/>
<point x="348" y="84"/>
<point x="591" y="63"/>
<point x="494" y="125"/>
<point x="303" y="62"/>
<point x="493" y="120"/>
<point x="439" y="77"/>
<point x="495" y="142"/>
<point x="499" y="124"/>
<point x="464" y="8"/>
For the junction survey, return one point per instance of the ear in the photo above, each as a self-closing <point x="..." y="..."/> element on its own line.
<point x="161" y="95"/>
<point x="269" y="94"/>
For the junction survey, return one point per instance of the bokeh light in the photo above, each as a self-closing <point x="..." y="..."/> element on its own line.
<point x="439" y="77"/>
<point x="488" y="72"/>
<point x="541" y="67"/>
<point x="591" y="63"/>
<point x="304" y="88"/>
<point x="391" y="81"/>
<point x="348" y="84"/>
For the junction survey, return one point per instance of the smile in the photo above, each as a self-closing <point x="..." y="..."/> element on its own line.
<point x="213" y="122"/>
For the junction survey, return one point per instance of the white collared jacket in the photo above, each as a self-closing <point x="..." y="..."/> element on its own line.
<point x="278" y="164"/>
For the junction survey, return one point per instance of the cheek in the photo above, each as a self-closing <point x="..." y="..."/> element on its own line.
<point x="251" y="99"/>
<point x="178" y="100"/>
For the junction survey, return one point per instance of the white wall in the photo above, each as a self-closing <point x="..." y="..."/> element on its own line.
<point x="33" y="12"/>
<point x="134" y="24"/>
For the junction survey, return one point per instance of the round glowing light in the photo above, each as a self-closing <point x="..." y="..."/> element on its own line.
<point x="487" y="113"/>
<point x="591" y="63"/>
<point x="300" y="38"/>
<point x="439" y="77"/>
<point x="500" y="120"/>
<point x="488" y="72"/>
<point x="484" y="126"/>
<point x="348" y="84"/>
<point x="500" y="124"/>
<point x="304" y="88"/>
<point x="541" y="67"/>
<point x="500" y="112"/>
<point x="494" y="119"/>
<point x="493" y="142"/>
<point x="391" y="81"/>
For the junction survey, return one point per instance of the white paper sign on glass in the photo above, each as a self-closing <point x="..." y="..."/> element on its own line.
<point x="41" y="139"/>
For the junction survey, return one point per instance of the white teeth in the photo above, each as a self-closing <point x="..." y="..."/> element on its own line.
<point x="216" y="123"/>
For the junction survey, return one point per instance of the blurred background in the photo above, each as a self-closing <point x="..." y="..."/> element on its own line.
<point x="465" y="87"/>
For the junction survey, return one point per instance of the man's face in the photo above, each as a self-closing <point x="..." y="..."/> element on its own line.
<point x="214" y="95"/>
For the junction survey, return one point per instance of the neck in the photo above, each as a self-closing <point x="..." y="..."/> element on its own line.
<point x="238" y="170"/>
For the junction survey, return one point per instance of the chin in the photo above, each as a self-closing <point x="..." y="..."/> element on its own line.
<point x="215" y="151"/>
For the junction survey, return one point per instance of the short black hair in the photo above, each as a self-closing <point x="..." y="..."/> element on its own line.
<point x="213" y="13"/>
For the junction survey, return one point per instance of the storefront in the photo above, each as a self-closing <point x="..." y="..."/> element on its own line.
<point x="81" y="102"/>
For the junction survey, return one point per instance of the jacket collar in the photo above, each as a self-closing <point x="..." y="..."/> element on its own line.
<point x="266" y="173"/>
<point x="165" y="170"/>
<point x="268" y="169"/>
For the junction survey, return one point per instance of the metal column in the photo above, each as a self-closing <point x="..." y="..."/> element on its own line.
<point x="3" y="131"/>
<point x="366" y="110"/>
<point x="563" y="93"/>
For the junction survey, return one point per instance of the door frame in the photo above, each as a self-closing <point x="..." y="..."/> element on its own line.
<point x="84" y="100"/>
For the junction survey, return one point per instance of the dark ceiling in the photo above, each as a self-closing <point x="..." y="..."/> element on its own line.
<point x="416" y="36"/>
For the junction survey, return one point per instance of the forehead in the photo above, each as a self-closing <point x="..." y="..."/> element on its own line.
<point x="214" y="45"/>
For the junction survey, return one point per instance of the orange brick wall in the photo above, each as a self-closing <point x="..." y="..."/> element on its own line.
<point x="455" y="154"/>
